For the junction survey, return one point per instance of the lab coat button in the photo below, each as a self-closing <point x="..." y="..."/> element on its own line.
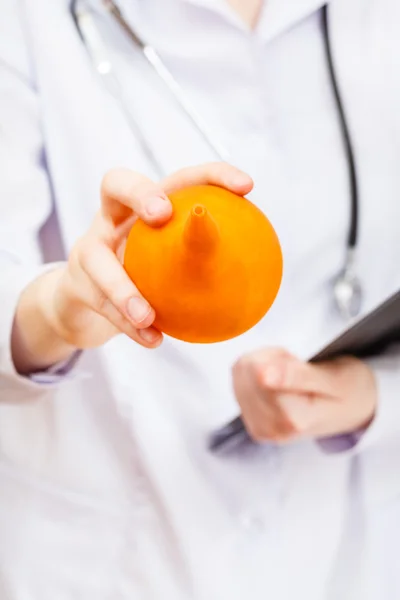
<point x="252" y="523"/>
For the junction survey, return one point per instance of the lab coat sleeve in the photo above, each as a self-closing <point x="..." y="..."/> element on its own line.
<point x="25" y="200"/>
<point x="386" y="424"/>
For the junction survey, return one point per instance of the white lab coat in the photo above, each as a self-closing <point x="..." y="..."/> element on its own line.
<point x="107" y="489"/>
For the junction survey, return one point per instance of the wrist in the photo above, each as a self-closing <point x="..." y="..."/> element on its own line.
<point x="37" y="342"/>
<point x="53" y="304"/>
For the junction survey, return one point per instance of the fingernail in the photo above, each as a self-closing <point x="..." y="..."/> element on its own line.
<point x="157" y="206"/>
<point x="273" y="377"/>
<point x="149" y="335"/>
<point x="138" y="309"/>
<point x="240" y="179"/>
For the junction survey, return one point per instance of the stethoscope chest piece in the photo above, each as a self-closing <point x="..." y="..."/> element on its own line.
<point x="347" y="290"/>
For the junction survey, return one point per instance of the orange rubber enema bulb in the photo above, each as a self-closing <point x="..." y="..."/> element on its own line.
<point x="213" y="271"/>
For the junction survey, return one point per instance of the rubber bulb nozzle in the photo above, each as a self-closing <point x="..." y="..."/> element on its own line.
<point x="201" y="233"/>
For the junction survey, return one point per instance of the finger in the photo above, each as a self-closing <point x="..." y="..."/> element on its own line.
<point x="318" y="418"/>
<point x="124" y="191"/>
<point x="113" y="236"/>
<point x="280" y="371"/>
<point x="221" y="174"/>
<point x="114" y="322"/>
<point x="267" y="426"/>
<point x="297" y="377"/>
<point x="148" y="337"/>
<point x="261" y="415"/>
<point x="304" y="413"/>
<point x="108" y="276"/>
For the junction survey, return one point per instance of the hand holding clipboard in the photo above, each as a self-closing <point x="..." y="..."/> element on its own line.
<point x="369" y="336"/>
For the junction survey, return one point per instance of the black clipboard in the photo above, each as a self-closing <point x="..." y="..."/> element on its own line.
<point x="369" y="336"/>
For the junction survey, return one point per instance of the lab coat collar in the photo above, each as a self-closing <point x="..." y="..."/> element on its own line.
<point x="280" y="15"/>
<point x="276" y="17"/>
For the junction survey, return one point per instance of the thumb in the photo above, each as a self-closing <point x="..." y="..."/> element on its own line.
<point x="288" y="374"/>
<point x="124" y="192"/>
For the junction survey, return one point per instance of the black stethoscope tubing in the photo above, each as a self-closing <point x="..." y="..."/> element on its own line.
<point x="350" y="155"/>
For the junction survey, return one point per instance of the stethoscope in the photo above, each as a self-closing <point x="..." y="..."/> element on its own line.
<point x="347" y="290"/>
